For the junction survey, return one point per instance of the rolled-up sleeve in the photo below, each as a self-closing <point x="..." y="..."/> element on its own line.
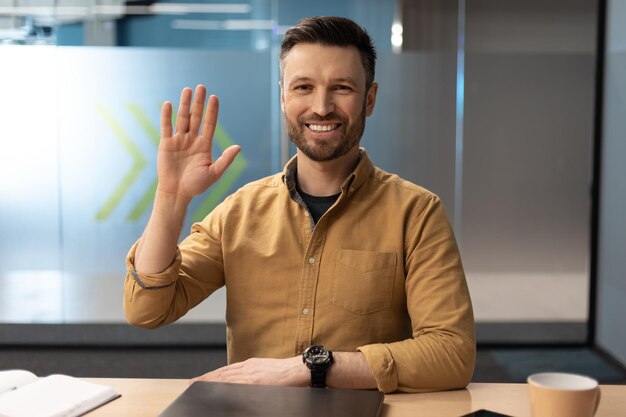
<point x="381" y="364"/>
<point x="145" y="294"/>
<point x="154" y="300"/>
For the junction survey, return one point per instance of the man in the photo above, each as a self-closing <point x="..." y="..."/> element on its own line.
<point x="334" y="258"/>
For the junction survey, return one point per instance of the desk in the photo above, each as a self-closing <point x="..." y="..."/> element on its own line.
<point x="148" y="397"/>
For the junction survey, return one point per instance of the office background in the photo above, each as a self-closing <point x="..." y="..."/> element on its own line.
<point x="511" y="111"/>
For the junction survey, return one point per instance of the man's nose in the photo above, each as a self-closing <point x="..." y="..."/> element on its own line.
<point x="322" y="103"/>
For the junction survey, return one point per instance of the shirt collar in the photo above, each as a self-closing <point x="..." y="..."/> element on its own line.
<point x="356" y="178"/>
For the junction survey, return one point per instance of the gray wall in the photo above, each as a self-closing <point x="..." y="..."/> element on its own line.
<point x="527" y="158"/>
<point x="528" y="135"/>
<point x="611" y="333"/>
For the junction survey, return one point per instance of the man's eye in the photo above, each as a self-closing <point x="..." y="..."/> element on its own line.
<point x="302" y="88"/>
<point x="343" y="88"/>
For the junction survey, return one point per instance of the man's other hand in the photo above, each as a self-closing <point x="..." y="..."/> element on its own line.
<point x="261" y="371"/>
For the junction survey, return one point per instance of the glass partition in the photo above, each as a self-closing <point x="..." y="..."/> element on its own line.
<point x="489" y="105"/>
<point x="81" y="165"/>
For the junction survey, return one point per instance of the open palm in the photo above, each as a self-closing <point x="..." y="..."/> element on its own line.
<point x="185" y="165"/>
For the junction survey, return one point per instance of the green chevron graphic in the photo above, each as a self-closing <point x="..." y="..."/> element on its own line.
<point x="146" y="199"/>
<point x="139" y="163"/>
<point x="216" y="193"/>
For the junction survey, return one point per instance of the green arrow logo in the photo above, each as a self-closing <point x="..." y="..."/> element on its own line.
<point x="148" y="196"/>
<point x="139" y="163"/>
<point x="216" y="193"/>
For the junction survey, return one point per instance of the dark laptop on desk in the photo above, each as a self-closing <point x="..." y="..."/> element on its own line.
<point x="217" y="399"/>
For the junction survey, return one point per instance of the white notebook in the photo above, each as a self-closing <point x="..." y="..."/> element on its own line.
<point x="23" y="394"/>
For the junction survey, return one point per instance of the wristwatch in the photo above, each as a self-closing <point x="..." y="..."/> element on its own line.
<point x="318" y="360"/>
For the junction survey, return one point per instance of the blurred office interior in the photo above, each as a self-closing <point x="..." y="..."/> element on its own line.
<point x="512" y="111"/>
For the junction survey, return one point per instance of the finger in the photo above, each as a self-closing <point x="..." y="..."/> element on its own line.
<point x="211" y="376"/>
<point x="205" y="377"/>
<point x="166" y="120"/>
<point x="210" y="119"/>
<point x="196" y="109"/>
<point x="182" y="121"/>
<point x="224" y="161"/>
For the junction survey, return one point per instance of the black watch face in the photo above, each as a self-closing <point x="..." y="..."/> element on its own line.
<point x="320" y="359"/>
<point x="315" y="350"/>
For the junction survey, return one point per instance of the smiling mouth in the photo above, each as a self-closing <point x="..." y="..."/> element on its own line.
<point x="322" y="128"/>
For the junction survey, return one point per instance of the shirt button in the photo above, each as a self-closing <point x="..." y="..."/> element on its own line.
<point x="311" y="260"/>
<point x="305" y="311"/>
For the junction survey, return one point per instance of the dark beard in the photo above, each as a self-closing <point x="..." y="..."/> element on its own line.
<point x="326" y="151"/>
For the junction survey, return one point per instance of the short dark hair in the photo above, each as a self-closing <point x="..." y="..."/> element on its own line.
<point x="332" y="31"/>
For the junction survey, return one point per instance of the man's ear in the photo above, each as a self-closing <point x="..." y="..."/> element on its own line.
<point x="282" y="97"/>
<point x="370" y="100"/>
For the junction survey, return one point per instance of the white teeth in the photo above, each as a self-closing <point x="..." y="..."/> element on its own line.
<point x="322" y="128"/>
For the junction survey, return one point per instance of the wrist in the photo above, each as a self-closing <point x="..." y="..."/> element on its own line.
<point x="171" y="206"/>
<point x="300" y="373"/>
<point x="318" y="359"/>
<point x="172" y="197"/>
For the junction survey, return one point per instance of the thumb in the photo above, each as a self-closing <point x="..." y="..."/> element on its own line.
<point x="224" y="161"/>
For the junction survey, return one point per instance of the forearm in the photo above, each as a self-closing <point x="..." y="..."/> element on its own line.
<point x="157" y="246"/>
<point x="350" y="370"/>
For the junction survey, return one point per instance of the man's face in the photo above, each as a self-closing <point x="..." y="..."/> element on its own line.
<point x="324" y="100"/>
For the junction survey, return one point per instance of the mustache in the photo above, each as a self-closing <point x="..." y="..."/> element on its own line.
<point x="317" y="118"/>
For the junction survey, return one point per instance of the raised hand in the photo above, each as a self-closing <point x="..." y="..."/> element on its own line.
<point x="185" y="165"/>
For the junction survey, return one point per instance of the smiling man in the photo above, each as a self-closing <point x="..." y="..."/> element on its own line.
<point x="337" y="273"/>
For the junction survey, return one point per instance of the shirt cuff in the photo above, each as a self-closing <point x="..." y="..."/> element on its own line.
<point x="153" y="281"/>
<point x="382" y="365"/>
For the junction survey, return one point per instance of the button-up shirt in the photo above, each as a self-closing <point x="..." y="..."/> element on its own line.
<point x="380" y="273"/>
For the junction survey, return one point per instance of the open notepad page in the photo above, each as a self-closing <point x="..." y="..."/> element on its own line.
<point x="55" y="396"/>
<point x="10" y="380"/>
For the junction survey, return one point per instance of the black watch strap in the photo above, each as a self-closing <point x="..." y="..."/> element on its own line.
<point x="318" y="376"/>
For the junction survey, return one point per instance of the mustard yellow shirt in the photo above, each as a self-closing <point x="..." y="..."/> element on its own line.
<point x="379" y="273"/>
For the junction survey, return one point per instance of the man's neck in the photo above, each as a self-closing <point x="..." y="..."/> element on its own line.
<point x="325" y="178"/>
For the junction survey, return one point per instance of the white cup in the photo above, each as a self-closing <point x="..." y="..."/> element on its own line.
<point x="555" y="394"/>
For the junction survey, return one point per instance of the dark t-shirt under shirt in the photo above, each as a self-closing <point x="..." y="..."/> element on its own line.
<point x="317" y="205"/>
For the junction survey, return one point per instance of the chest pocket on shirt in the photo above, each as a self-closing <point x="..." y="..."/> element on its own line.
<point x="362" y="281"/>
